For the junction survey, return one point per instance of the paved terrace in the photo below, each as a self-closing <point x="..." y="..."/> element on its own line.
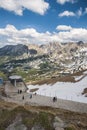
<point x="38" y="100"/>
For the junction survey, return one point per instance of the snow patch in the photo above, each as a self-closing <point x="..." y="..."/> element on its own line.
<point x="64" y="90"/>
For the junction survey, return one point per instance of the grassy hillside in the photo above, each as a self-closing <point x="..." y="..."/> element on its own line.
<point x="39" y="117"/>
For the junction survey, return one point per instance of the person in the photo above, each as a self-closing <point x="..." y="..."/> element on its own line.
<point x="35" y="93"/>
<point x="30" y="95"/>
<point x="23" y="97"/>
<point x="54" y="99"/>
<point x="20" y="91"/>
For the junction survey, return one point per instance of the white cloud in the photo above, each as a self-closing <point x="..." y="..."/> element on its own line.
<point x="63" y="28"/>
<point x="67" y="14"/>
<point x="74" y="35"/>
<point x="85" y="11"/>
<point x="64" y="1"/>
<point x="11" y="35"/>
<point x="79" y="12"/>
<point x="17" y="6"/>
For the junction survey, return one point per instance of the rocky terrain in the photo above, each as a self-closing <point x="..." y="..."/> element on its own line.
<point x="45" y="60"/>
<point x="16" y="117"/>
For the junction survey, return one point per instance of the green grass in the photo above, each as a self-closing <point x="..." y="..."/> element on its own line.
<point x="29" y="75"/>
<point x="69" y="128"/>
<point x="6" y="117"/>
<point x="29" y="119"/>
<point x="2" y="75"/>
<point x="45" y="120"/>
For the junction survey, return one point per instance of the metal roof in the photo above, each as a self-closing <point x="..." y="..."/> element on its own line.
<point x="15" y="77"/>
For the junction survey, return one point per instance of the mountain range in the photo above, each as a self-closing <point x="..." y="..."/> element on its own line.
<point x="68" y="57"/>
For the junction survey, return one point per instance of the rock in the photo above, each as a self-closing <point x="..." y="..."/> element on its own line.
<point x="58" y="123"/>
<point x="58" y="119"/>
<point x="37" y="127"/>
<point x="17" y="125"/>
<point x="58" y="128"/>
<point x="72" y="127"/>
<point x="81" y="124"/>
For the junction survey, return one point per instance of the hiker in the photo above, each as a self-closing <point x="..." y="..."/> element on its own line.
<point x="23" y="97"/>
<point x="54" y="99"/>
<point x="20" y="91"/>
<point x="35" y="93"/>
<point x="30" y="95"/>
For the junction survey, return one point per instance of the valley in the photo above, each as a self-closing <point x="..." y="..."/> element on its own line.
<point x="38" y="62"/>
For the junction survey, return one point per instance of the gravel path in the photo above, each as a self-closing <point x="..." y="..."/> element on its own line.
<point x="38" y="100"/>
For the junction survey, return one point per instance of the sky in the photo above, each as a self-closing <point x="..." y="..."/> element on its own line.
<point x="42" y="21"/>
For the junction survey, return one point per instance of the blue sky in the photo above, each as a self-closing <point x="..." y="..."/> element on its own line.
<point x="42" y="21"/>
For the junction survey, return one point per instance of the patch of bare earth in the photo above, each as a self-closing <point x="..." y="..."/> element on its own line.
<point x="66" y="78"/>
<point x="33" y="90"/>
<point x="7" y="105"/>
<point x="56" y="79"/>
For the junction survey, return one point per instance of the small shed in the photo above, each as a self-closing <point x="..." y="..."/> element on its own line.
<point x="14" y="79"/>
<point x="15" y="84"/>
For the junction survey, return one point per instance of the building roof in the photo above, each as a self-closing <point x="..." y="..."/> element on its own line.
<point x="15" y="77"/>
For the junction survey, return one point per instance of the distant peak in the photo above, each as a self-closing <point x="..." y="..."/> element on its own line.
<point x="80" y="43"/>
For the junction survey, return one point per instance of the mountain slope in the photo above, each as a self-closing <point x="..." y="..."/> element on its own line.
<point x="64" y="58"/>
<point x="13" y="50"/>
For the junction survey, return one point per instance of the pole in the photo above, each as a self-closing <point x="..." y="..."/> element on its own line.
<point x="15" y="82"/>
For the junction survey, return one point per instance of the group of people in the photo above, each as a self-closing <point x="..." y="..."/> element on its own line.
<point x="54" y="98"/>
<point x="19" y="91"/>
<point x="29" y="96"/>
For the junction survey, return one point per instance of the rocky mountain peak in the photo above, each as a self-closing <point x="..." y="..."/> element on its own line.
<point x="13" y="50"/>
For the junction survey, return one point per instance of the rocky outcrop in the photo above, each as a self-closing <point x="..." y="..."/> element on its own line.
<point x="58" y="124"/>
<point x="17" y="125"/>
<point x="37" y="127"/>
